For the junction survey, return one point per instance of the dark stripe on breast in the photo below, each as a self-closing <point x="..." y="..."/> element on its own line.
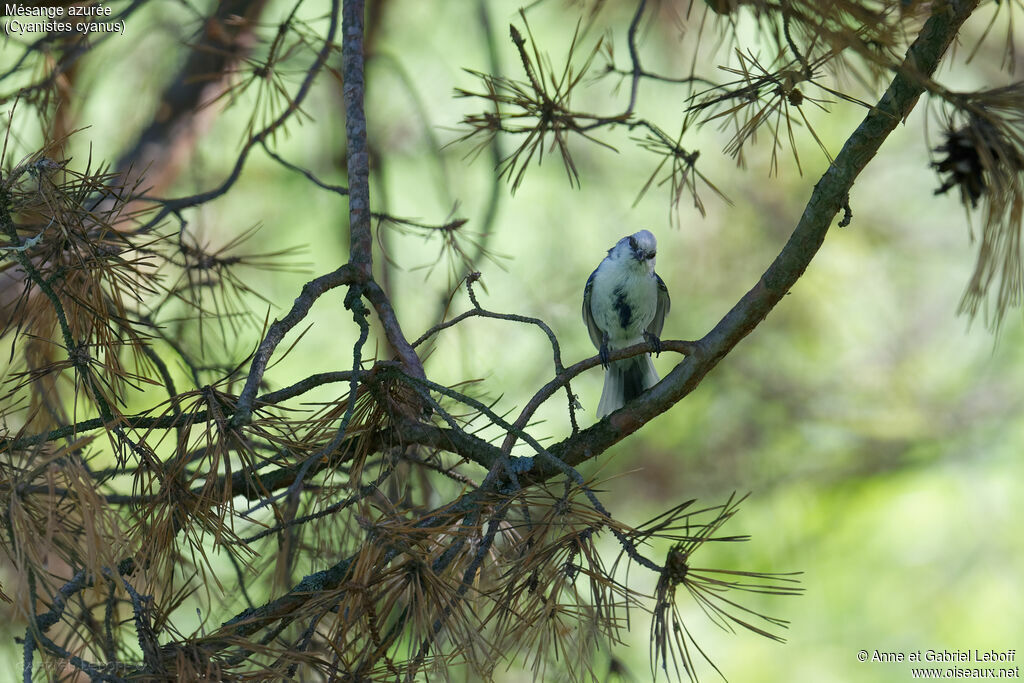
<point x="633" y="378"/>
<point x="622" y="307"/>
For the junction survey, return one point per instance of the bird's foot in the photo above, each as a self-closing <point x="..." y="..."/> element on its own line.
<point x="654" y="341"/>
<point x="603" y="354"/>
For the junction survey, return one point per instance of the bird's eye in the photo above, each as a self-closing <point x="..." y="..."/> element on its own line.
<point x="651" y="254"/>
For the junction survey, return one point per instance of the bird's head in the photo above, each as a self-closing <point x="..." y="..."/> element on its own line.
<point x="641" y="247"/>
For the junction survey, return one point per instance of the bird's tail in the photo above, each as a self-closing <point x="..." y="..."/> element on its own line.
<point x="624" y="380"/>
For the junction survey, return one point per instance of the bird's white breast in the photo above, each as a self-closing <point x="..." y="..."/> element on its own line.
<point x="623" y="301"/>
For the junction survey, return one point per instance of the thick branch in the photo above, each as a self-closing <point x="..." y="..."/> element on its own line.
<point x="357" y="156"/>
<point x="184" y="111"/>
<point x="358" y="161"/>
<point x="176" y="206"/>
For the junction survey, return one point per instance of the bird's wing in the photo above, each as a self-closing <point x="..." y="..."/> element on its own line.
<point x="588" y="316"/>
<point x="664" y="303"/>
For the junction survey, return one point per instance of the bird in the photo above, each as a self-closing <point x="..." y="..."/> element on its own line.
<point x="624" y="303"/>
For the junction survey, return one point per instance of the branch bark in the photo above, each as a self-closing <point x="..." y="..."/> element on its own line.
<point x="358" y="162"/>
<point x="357" y="154"/>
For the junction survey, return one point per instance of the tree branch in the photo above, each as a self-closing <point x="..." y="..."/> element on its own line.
<point x="357" y="155"/>
<point x="175" y="206"/>
<point x="358" y="161"/>
<point x="166" y="144"/>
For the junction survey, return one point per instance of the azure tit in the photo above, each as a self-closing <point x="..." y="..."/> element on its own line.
<point x="625" y="303"/>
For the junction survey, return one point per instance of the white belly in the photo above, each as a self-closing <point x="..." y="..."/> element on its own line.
<point x="623" y="304"/>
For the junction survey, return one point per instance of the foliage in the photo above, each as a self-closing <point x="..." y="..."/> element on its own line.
<point x="432" y="532"/>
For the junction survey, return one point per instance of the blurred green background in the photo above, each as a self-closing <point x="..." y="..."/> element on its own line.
<point x="878" y="432"/>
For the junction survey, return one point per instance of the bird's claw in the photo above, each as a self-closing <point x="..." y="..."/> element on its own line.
<point x="654" y="341"/>
<point x="603" y="354"/>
